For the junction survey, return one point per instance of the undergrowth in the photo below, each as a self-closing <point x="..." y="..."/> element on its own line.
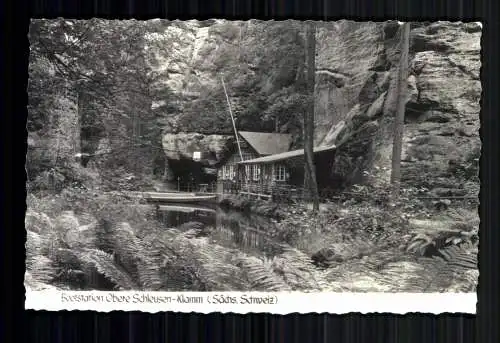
<point x="88" y="241"/>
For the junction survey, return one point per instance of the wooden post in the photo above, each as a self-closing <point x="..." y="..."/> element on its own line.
<point x="261" y="178"/>
<point x="232" y="119"/>
<point x="309" y="167"/>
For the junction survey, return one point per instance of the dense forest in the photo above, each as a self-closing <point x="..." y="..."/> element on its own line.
<point x="115" y="106"/>
<point x="118" y="86"/>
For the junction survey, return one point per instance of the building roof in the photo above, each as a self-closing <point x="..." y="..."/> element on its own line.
<point x="286" y="155"/>
<point x="267" y="143"/>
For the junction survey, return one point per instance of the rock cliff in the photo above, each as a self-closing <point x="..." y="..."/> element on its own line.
<point x="442" y="113"/>
<point x="157" y="90"/>
<point x="356" y="67"/>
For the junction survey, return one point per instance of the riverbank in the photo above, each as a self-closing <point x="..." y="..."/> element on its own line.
<point x="368" y="225"/>
<point x="253" y="205"/>
<point x="265" y="207"/>
<point x="89" y="240"/>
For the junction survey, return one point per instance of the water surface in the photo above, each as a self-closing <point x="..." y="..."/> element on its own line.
<point x="228" y="228"/>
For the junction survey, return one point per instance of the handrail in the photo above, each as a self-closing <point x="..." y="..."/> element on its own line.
<point x="297" y="192"/>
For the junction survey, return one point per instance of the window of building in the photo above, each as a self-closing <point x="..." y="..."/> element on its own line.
<point x="232" y="171"/>
<point x="226" y="172"/>
<point x="248" y="172"/>
<point x="280" y="173"/>
<point x="256" y="173"/>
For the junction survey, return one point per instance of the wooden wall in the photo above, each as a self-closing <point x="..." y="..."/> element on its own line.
<point x="294" y="169"/>
<point x="247" y="152"/>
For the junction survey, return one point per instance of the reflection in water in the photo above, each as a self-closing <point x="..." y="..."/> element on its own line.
<point x="175" y="216"/>
<point x="227" y="228"/>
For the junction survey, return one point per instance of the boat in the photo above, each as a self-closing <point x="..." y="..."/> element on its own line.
<point x="179" y="197"/>
<point x="186" y="209"/>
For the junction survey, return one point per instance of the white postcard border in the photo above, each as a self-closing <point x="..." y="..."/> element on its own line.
<point x="252" y="302"/>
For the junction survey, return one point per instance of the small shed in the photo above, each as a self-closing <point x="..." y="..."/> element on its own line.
<point x="253" y="145"/>
<point x="287" y="168"/>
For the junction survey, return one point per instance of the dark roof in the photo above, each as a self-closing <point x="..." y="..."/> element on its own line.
<point x="267" y="143"/>
<point x="286" y="155"/>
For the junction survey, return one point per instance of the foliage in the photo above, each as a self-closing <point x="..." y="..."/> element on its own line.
<point x="89" y="92"/>
<point x="92" y="86"/>
<point x="362" y="248"/>
<point x="354" y="153"/>
<point x="263" y="83"/>
<point x="449" y="255"/>
<point x="90" y="95"/>
<point x="468" y="169"/>
<point x="255" y="206"/>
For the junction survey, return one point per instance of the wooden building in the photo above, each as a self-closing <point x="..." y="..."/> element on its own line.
<point x="253" y="145"/>
<point x="288" y="169"/>
<point x="268" y="163"/>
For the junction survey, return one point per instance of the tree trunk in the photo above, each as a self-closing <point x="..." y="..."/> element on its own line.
<point x="402" y="89"/>
<point x="309" y="168"/>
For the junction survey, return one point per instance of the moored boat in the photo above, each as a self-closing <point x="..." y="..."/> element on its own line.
<point x="179" y="197"/>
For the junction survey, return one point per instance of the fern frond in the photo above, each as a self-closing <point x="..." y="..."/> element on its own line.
<point x="132" y="255"/>
<point x="297" y="270"/>
<point x="404" y="276"/>
<point x="419" y="244"/>
<point x="465" y="282"/>
<point x="65" y="222"/>
<point x="104" y="264"/>
<point x="431" y="244"/>
<point x="32" y="284"/>
<point x="81" y="237"/>
<point x="438" y="275"/>
<point x="352" y="276"/>
<point x="34" y="245"/>
<point x="65" y="258"/>
<point x="469" y="218"/>
<point x="159" y="259"/>
<point x="212" y="262"/>
<point x="449" y="270"/>
<point x="459" y="257"/>
<point x="192" y="233"/>
<point x="41" y="269"/>
<point x="185" y="262"/>
<point x="149" y="276"/>
<point x="462" y="263"/>
<point x="260" y="275"/>
<point x="125" y="243"/>
<point x="37" y="222"/>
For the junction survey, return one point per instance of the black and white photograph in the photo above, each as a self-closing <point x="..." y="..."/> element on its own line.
<point x="266" y="156"/>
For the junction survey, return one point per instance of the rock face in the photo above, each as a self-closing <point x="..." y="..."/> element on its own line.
<point x="189" y="60"/>
<point x="443" y="122"/>
<point x="58" y="139"/>
<point x="170" y="54"/>
<point x="355" y="92"/>
<point x="442" y="113"/>
<point x="183" y="145"/>
<point x="348" y="60"/>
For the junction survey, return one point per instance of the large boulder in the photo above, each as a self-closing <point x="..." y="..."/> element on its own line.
<point x="183" y="145"/>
